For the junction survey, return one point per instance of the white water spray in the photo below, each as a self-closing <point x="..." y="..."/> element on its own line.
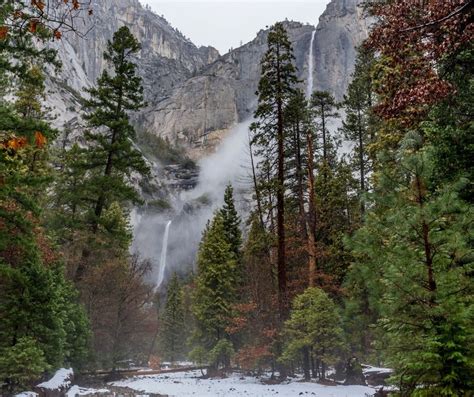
<point x="164" y="250"/>
<point x="309" y="88"/>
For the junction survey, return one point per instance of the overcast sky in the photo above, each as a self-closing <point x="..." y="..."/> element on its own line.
<point x="226" y="23"/>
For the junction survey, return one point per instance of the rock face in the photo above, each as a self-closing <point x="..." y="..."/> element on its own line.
<point x="341" y="29"/>
<point x="195" y="95"/>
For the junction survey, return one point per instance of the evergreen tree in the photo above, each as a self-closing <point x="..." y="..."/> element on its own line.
<point x="423" y="256"/>
<point x="110" y="151"/>
<point x="231" y="221"/>
<point x="314" y="327"/>
<point x="358" y="126"/>
<point x="172" y="332"/>
<point x="324" y="108"/>
<point x="216" y="287"/>
<point x="38" y="309"/>
<point x="278" y="77"/>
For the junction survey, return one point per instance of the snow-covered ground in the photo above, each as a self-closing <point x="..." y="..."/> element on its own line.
<point x="185" y="384"/>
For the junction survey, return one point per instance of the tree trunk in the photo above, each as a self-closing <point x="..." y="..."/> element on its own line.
<point x="361" y="160"/>
<point x="281" y="259"/>
<point x="306" y="364"/>
<point x="311" y="227"/>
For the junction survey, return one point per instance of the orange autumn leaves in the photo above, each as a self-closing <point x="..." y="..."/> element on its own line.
<point x="53" y="16"/>
<point x="14" y="144"/>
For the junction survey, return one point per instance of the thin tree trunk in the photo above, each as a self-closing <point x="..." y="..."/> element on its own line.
<point x="281" y="260"/>
<point x="311" y="242"/>
<point x="306" y="364"/>
<point x="361" y="159"/>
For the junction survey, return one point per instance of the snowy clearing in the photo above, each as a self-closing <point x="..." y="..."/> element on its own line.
<point x="187" y="384"/>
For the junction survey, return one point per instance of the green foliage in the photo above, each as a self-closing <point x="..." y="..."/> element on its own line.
<point x="21" y="364"/>
<point x="450" y="127"/>
<point x="315" y="324"/>
<point x="323" y="109"/>
<point x="161" y="149"/>
<point x="111" y="156"/>
<point x="359" y="124"/>
<point x="216" y="286"/>
<point x="221" y="353"/>
<point x="421" y="253"/>
<point x="199" y="355"/>
<point x="231" y="221"/>
<point x="172" y="331"/>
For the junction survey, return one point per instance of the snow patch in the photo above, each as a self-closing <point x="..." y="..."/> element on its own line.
<point x="61" y="380"/>
<point x="27" y="394"/>
<point x="82" y="391"/>
<point x="186" y="384"/>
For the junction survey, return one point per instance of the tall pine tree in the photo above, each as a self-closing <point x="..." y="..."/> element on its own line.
<point x="276" y="86"/>
<point x="110" y="151"/>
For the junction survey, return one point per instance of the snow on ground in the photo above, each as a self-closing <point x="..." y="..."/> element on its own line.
<point x="186" y="384"/>
<point x="60" y="380"/>
<point x="380" y="370"/>
<point x="27" y="394"/>
<point x="81" y="391"/>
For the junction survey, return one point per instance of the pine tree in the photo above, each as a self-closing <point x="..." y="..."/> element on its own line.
<point x="314" y="327"/>
<point x="231" y="221"/>
<point x="31" y="275"/>
<point x="216" y="287"/>
<point x="324" y="108"/>
<point x="422" y="255"/>
<point x="275" y="88"/>
<point x="111" y="154"/>
<point x="358" y="126"/>
<point x="172" y="332"/>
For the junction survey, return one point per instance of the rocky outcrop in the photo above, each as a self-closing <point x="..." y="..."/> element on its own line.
<point x="341" y="29"/>
<point x="167" y="57"/>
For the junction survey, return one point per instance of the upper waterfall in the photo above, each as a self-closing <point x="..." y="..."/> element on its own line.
<point x="310" y="82"/>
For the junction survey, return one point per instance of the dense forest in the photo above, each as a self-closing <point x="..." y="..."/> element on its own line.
<point x="348" y="256"/>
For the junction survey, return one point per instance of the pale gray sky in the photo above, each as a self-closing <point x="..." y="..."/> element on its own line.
<point x="226" y="23"/>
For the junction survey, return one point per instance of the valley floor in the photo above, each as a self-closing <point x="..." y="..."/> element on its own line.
<point x="189" y="384"/>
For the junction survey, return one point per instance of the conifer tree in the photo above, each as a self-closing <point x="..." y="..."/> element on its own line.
<point x="216" y="287"/>
<point x="278" y="77"/>
<point x="172" y="332"/>
<point x="323" y="109"/>
<point x="31" y="275"/>
<point x="111" y="154"/>
<point x="358" y="126"/>
<point x="423" y="256"/>
<point x="314" y="327"/>
<point x="231" y="221"/>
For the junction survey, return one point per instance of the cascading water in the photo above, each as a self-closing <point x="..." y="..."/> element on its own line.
<point x="309" y="88"/>
<point x="164" y="249"/>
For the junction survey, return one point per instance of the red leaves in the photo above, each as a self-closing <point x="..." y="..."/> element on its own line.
<point x="412" y="38"/>
<point x="14" y="144"/>
<point x="3" y="32"/>
<point x="33" y="25"/>
<point x="40" y="139"/>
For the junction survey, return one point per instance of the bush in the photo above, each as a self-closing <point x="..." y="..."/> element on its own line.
<point x="22" y="364"/>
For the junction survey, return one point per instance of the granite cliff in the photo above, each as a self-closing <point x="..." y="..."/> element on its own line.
<point x="195" y="96"/>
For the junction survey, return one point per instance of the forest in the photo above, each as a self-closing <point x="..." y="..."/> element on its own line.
<point x="358" y="248"/>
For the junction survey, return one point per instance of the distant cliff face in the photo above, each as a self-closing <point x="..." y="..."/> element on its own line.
<point x="341" y="29"/>
<point x="202" y="110"/>
<point x="195" y="96"/>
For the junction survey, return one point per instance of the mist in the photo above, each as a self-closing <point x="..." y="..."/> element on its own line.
<point x="191" y="210"/>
